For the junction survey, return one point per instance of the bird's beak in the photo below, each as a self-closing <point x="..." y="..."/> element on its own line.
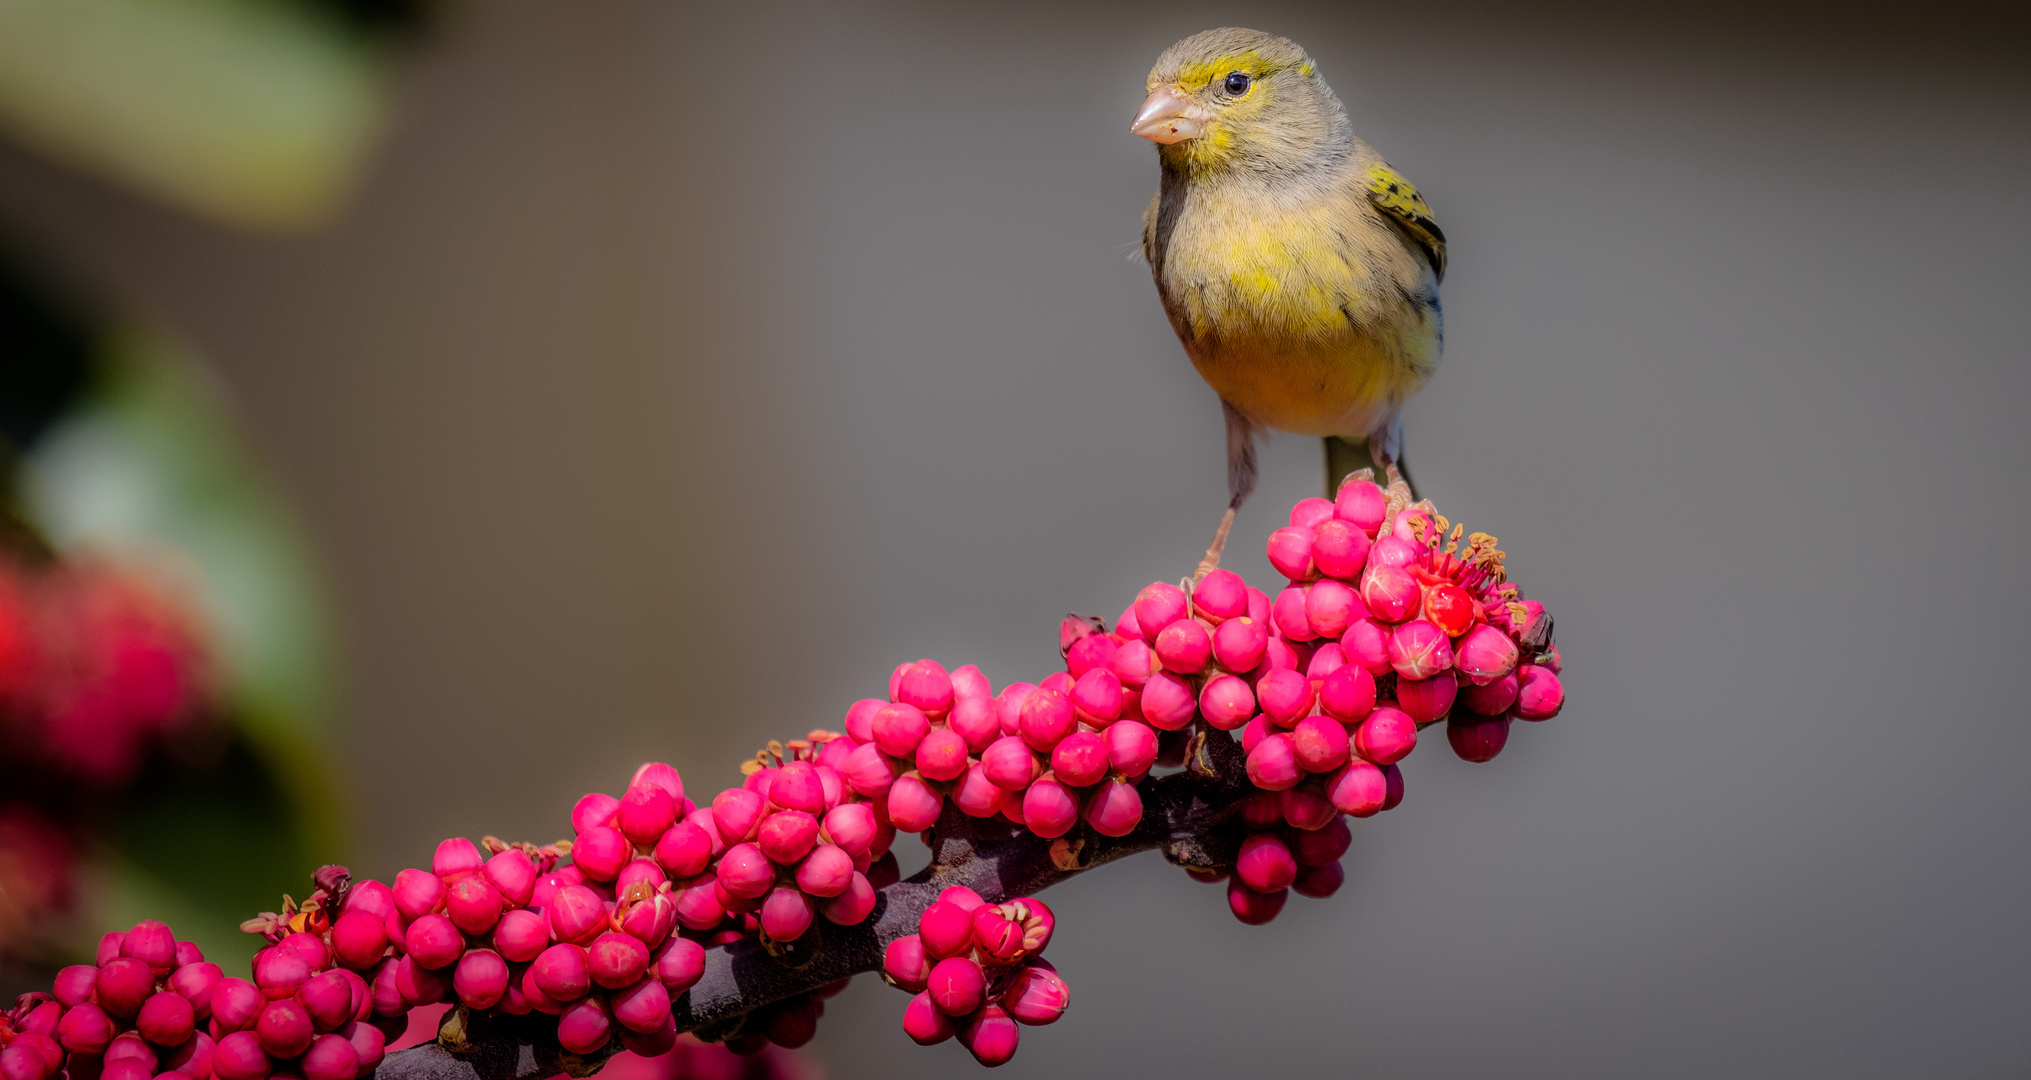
<point x="1167" y="117"/>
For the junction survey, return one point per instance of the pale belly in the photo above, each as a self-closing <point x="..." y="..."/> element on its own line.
<point x="1346" y="386"/>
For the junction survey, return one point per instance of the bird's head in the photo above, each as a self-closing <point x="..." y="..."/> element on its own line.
<point x="1239" y="99"/>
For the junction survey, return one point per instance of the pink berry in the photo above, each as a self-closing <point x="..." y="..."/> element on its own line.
<point x="74" y="984"/>
<point x="905" y="963"/>
<point x="1319" y="882"/>
<point x="561" y="972"/>
<point x="1339" y="549"/>
<point x="284" y="1028"/>
<point x="313" y="949"/>
<point x="278" y="971"/>
<point x="1131" y="748"/>
<point x="615" y="960"/>
<point x="1094" y="651"/>
<point x="1049" y="808"/>
<point x="193" y="1059"/>
<point x="1157" y="606"/>
<point x="1134" y="663"/>
<point x="331" y="1057"/>
<point x="1047" y="716"/>
<point x="124" y="983"/>
<point x="1285" y="696"/>
<point x="151" y="943"/>
<point x="1114" y="809"/>
<point x="1096" y="697"/>
<point x="1326" y="659"/>
<point x="1036" y="996"/>
<point x="368" y="1042"/>
<point x="584" y="1027"/>
<point x="328" y="999"/>
<point x="1009" y="763"/>
<point x="826" y="872"/>
<point x="1012" y="805"/>
<point x="1266" y="863"/>
<point x="1493" y="699"/>
<point x="1477" y="738"/>
<point x="868" y="771"/>
<point x="434" y="942"/>
<point x="926" y="687"/>
<point x="1427" y="700"/>
<point x="600" y="853"/>
<point x="1419" y="650"/>
<point x="1451" y="608"/>
<point x="945" y="929"/>
<point x="644" y="1006"/>
<point x="679" y="964"/>
<point x="1184" y="647"/>
<point x="85" y="1029"/>
<point x="898" y="728"/>
<point x="1010" y="705"/>
<point x="239" y="1056"/>
<point x="1348" y="693"/>
<point x="533" y="996"/>
<point x="1289" y="616"/>
<point x="1310" y="513"/>
<point x="1390" y="593"/>
<point x="1362" y="504"/>
<point x="787" y="836"/>
<point x="851" y="826"/>
<point x="859" y="722"/>
<point x="196" y="982"/>
<point x="456" y="856"/>
<point x="1305" y="810"/>
<point x="372" y="897"/>
<point x="481" y="979"/>
<point x="924" y="1024"/>
<point x="913" y="806"/>
<point x="1386" y="737"/>
<point x="646" y="811"/>
<point x="744" y="871"/>
<point x="593" y="811"/>
<point x="166" y="1019"/>
<point x="1221" y="595"/>
<point x="1290" y="551"/>
<point x="1319" y="743"/>
<point x="23" y="1063"/>
<point x="1251" y="907"/>
<point x="1358" y="789"/>
<point x="1539" y="694"/>
<point x="975" y="795"/>
<point x="473" y="904"/>
<point x="968" y="682"/>
<point x="235" y="1003"/>
<point x="521" y="934"/>
<point x="942" y="754"/>
<point x="109" y="947"/>
<point x="1330" y="607"/>
<point x="1324" y="845"/>
<point x="684" y="849"/>
<point x="1394" y="551"/>
<point x="1168" y="701"/>
<point x="512" y="874"/>
<point x="1366" y="645"/>
<point x="977" y="720"/>
<point x="1080" y="759"/>
<point x="990" y="1035"/>
<point x="1240" y="643"/>
<point x="1253" y="732"/>
<point x="1227" y="701"/>
<point x="737" y="813"/>
<point x="956" y="986"/>
<point x="658" y="774"/>
<point x="1273" y="764"/>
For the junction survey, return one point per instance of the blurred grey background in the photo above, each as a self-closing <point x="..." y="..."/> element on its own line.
<point x="681" y="368"/>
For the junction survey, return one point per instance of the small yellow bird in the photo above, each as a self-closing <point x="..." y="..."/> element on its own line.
<point x="1300" y="271"/>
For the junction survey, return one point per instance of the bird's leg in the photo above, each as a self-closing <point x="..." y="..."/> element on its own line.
<point x="1240" y="482"/>
<point x="1212" y="560"/>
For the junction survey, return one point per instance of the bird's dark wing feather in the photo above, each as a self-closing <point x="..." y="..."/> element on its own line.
<point x="1395" y="197"/>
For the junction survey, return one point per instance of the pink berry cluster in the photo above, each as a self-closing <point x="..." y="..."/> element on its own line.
<point x="977" y="970"/>
<point x="1042" y="756"/>
<point x="792" y="843"/>
<point x="153" y="1006"/>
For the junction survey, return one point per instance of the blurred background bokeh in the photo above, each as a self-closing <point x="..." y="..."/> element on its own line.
<point x="419" y="414"/>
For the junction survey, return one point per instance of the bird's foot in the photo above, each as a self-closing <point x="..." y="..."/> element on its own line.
<point x="1212" y="560"/>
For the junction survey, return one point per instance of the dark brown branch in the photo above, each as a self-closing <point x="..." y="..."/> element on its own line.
<point x="1185" y="815"/>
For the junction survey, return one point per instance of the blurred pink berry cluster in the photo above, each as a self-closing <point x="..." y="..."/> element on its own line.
<point x="95" y="668"/>
<point x="977" y="969"/>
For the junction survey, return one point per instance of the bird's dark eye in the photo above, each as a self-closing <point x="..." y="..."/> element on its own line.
<point x="1237" y="84"/>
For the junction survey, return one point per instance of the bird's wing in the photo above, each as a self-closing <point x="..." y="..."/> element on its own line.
<point x="1394" y="196"/>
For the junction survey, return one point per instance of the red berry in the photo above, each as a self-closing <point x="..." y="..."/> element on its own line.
<point x="239" y="1056"/>
<point x="74" y="984"/>
<point x="166" y="1019"/>
<point x="600" y="852"/>
<point x="913" y="806"/>
<point x="1049" y="808"/>
<point x="284" y="1028"/>
<point x="787" y="913"/>
<point x="646" y="811"/>
<point x="481" y="978"/>
<point x="584" y="1027"/>
<point x="561" y="972"/>
<point x="1158" y="606"/>
<point x="328" y="999"/>
<point x="1319" y="882"/>
<point x="124" y="983"/>
<point x="924" y="1024"/>
<point x="1115" y="809"/>
<point x="1290" y="551"/>
<point x="1168" y="701"/>
<point x="1386" y="737"/>
<point x="1358" y="789"/>
<point x="678" y="965"/>
<point x="1477" y="738"/>
<point x="990" y="1035"/>
<point x="956" y="985"/>
<point x="1036" y="996"/>
<point x="898" y="728"/>
<point x="1540" y="695"/>
<point x="643" y="1007"/>
<point x="235" y="1003"/>
<point x="331" y="1057"/>
<point x="942" y="754"/>
<point x="593" y="811"/>
<point x="1306" y="810"/>
<point x="1319" y="743"/>
<point x="1389" y="593"/>
<point x="1266" y="863"/>
<point x="1252" y="907"/>
<point x="905" y="963"/>
<point x="151" y="943"/>
<point x="615" y="960"/>
<point x="1285" y="696"/>
<point x="945" y="929"/>
<point x="1273" y="764"/>
<point x="852" y="907"/>
<point x="456" y="856"/>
